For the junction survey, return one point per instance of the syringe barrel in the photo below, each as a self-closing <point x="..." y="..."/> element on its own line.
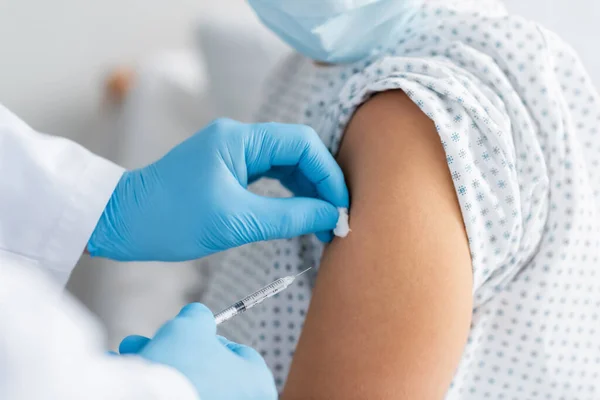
<point x="266" y="292"/>
<point x="230" y="312"/>
<point x="255" y="298"/>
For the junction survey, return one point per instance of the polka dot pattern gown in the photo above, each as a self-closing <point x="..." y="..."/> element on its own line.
<point x="518" y="118"/>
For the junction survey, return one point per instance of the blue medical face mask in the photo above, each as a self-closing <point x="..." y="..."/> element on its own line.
<point x="335" y="31"/>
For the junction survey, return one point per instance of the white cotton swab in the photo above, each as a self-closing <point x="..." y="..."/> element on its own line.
<point x="342" y="229"/>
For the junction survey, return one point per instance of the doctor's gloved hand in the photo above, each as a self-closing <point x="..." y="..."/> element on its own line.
<point x="194" y="201"/>
<point x="218" y="369"/>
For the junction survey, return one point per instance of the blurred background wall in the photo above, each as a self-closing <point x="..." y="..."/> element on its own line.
<point x="55" y="55"/>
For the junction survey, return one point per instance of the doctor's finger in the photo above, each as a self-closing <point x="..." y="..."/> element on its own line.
<point x="289" y="145"/>
<point x="133" y="344"/>
<point x="241" y="350"/>
<point x="247" y="353"/>
<point x="286" y="218"/>
<point x="293" y="179"/>
<point x="325" y="236"/>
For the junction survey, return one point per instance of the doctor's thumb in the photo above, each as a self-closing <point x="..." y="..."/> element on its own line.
<point x="133" y="344"/>
<point x="286" y="218"/>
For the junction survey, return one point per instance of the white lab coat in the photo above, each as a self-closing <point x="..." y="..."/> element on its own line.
<point x="52" y="192"/>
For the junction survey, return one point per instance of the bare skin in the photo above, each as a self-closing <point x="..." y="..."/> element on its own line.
<point x="391" y="310"/>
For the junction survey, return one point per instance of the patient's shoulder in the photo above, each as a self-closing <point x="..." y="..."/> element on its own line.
<point x="388" y="131"/>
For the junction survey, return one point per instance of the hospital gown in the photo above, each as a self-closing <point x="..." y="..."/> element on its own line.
<point x="518" y="118"/>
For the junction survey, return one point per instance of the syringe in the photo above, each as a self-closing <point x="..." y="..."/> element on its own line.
<point x="257" y="297"/>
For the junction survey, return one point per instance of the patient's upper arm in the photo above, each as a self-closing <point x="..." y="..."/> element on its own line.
<point x="391" y="308"/>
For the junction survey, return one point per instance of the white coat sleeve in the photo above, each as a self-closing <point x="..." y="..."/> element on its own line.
<point x="52" y="193"/>
<point x="51" y="349"/>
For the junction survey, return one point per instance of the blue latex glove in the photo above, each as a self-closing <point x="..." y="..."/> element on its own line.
<point x="194" y="201"/>
<point x="218" y="368"/>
